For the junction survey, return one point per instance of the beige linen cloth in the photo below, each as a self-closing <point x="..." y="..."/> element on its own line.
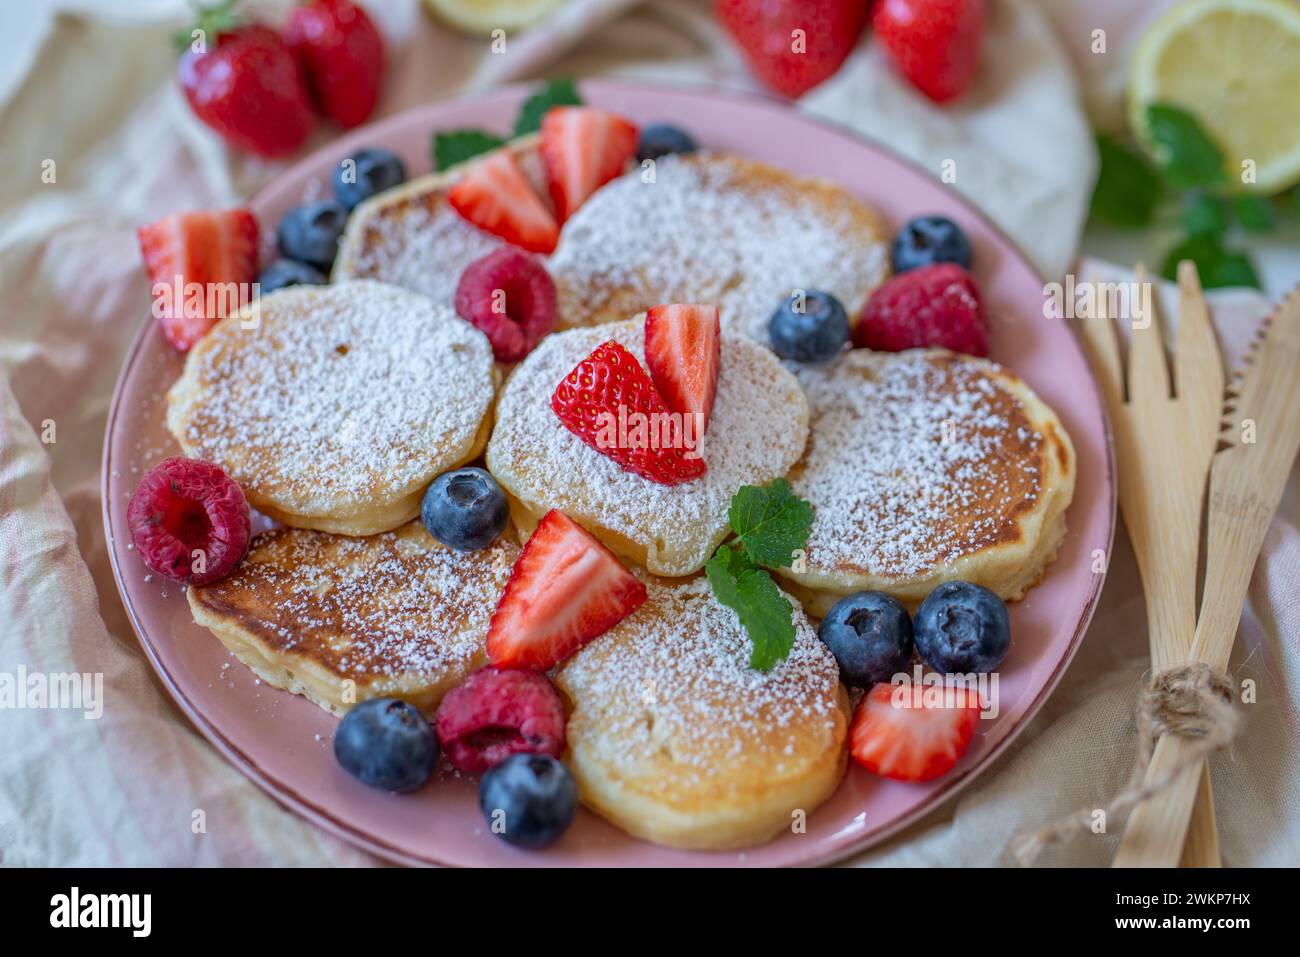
<point x="90" y="88"/>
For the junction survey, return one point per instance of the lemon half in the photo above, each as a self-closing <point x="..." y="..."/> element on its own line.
<point x="481" y="17"/>
<point x="1235" y="65"/>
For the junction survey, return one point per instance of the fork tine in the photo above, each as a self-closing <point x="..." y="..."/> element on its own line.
<point x="1097" y="329"/>
<point x="1198" y="367"/>
<point x="1148" y="370"/>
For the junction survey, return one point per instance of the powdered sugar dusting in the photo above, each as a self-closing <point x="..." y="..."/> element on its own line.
<point x="425" y="248"/>
<point x="673" y="681"/>
<point x="413" y="238"/>
<point x="341" y="393"/>
<point x="915" y="459"/>
<point x="719" y="229"/>
<point x="390" y="605"/>
<point x="756" y="432"/>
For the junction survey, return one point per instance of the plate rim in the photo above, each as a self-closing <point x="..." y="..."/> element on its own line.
<point x="291" y="799"/>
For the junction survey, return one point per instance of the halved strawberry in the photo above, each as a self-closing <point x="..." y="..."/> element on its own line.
<point x="210" y="248"/>
<point x="566" y="588"/>
<point x="495" y="195"/>
<point x="920" y="737"/>
<point x="584" y="149"/>
<point x="610" y="403"/>
<point x="683" y="351"/>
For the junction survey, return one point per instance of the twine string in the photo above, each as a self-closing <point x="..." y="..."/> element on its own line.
<point x="1191" y="701"/>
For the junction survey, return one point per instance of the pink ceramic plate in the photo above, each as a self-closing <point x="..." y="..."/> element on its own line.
<point x="283" y="742"/>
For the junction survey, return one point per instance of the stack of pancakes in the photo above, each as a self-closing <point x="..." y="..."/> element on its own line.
<point x="334" y="407"/>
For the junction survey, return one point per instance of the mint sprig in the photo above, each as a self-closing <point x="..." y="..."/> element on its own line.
<point x="771" y="525"/>
<point x="1216" y="264"/>
<point x="1189" y="165"/>
<point x="1188" y="157"/>
<point x="1128" y="186"/>
<point x="451" y="147"/>
<point x="561" y="91"/>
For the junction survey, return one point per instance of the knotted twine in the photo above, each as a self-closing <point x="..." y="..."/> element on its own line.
<point x="1191" y="701"/>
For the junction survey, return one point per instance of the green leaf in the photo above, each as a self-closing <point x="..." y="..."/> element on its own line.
<point x="1217" y="265"/>
<point x="1187" y="156"/>
<point x="1255" y="213"/>
<point x="771" y="522"/>
<point x="213" y="20"/>
<point x="558" y="92"/>
<point x="455" y="146"/>
<point x="1128" y="186"/>
<point x="765" y="614"/>
<point x="1205" y="215"/>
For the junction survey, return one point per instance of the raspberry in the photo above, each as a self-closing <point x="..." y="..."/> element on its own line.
<point x="510" y="297"/>
<point x="189" y="521"/>
<point x="935" y="305"/>
<point x="498" y="712"/>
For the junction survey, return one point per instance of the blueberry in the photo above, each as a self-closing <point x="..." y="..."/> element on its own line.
<point x="366" y="173"/>
<point x="529" y="800"/>
<point x="870" y="635"/>
<point x="289" y="272"/>
<point x="660" y="139"/>
<point x="927" y="240"/>
<point x="811" y="327"/>
<point x="386" y="743"/>
<point x="465" y="509"/>
<point x="310" y="233"/>
<point x="963" y="628"/>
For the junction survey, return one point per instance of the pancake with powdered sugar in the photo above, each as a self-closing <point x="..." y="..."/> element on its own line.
<point x="334" y="407"/>
<point x="925" y="466"/>
<point x="340" y="619"/>
<point x="677" y="740"/>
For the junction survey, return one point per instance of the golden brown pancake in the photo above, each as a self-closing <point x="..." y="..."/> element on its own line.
<point x="674" y="738"/>
<point x="333" y="407"/>
<point x="395" y="615"/>
<point x="710" y="227"/>
<point x="924" y="466"/>
<point x="716" y="228"/>
<point x="411" y="237"/>
<point x="755" y="433"/>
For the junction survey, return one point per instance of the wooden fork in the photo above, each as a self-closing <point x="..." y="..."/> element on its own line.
<point x="1164" y="440"/>
<point x="1247" y="480"/>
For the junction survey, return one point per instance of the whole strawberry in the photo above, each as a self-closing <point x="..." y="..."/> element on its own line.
<point x="342" y="55"/>
<point x="936" y="305"/>
<point x="935" y="43"/>
<point x="793" y="45"/>
<point x="244" y="82"/>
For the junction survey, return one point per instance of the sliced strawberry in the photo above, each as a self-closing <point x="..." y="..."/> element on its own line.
<point x="495" y="195"/>
<point x="584" y="149"/>
<point x="610" y="403"/>
<point x="212" y="249"/>
<point x="683" y="351"/>
<point x="566" y="588"/>
<point x="920" y="737"/>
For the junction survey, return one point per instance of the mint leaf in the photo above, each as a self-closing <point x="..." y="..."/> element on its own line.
<point x="1255" y="213"/>
<point x="1128" y="186"/>
<point x="1217" y="265"/>
<point x="1205" y="216"/>
<point x="771" y="522"/>
<point x="455" y="146"/>
<point x="1187" y="156"/>
<point x="557" y="92"/>
<point x="766" y="614"/>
